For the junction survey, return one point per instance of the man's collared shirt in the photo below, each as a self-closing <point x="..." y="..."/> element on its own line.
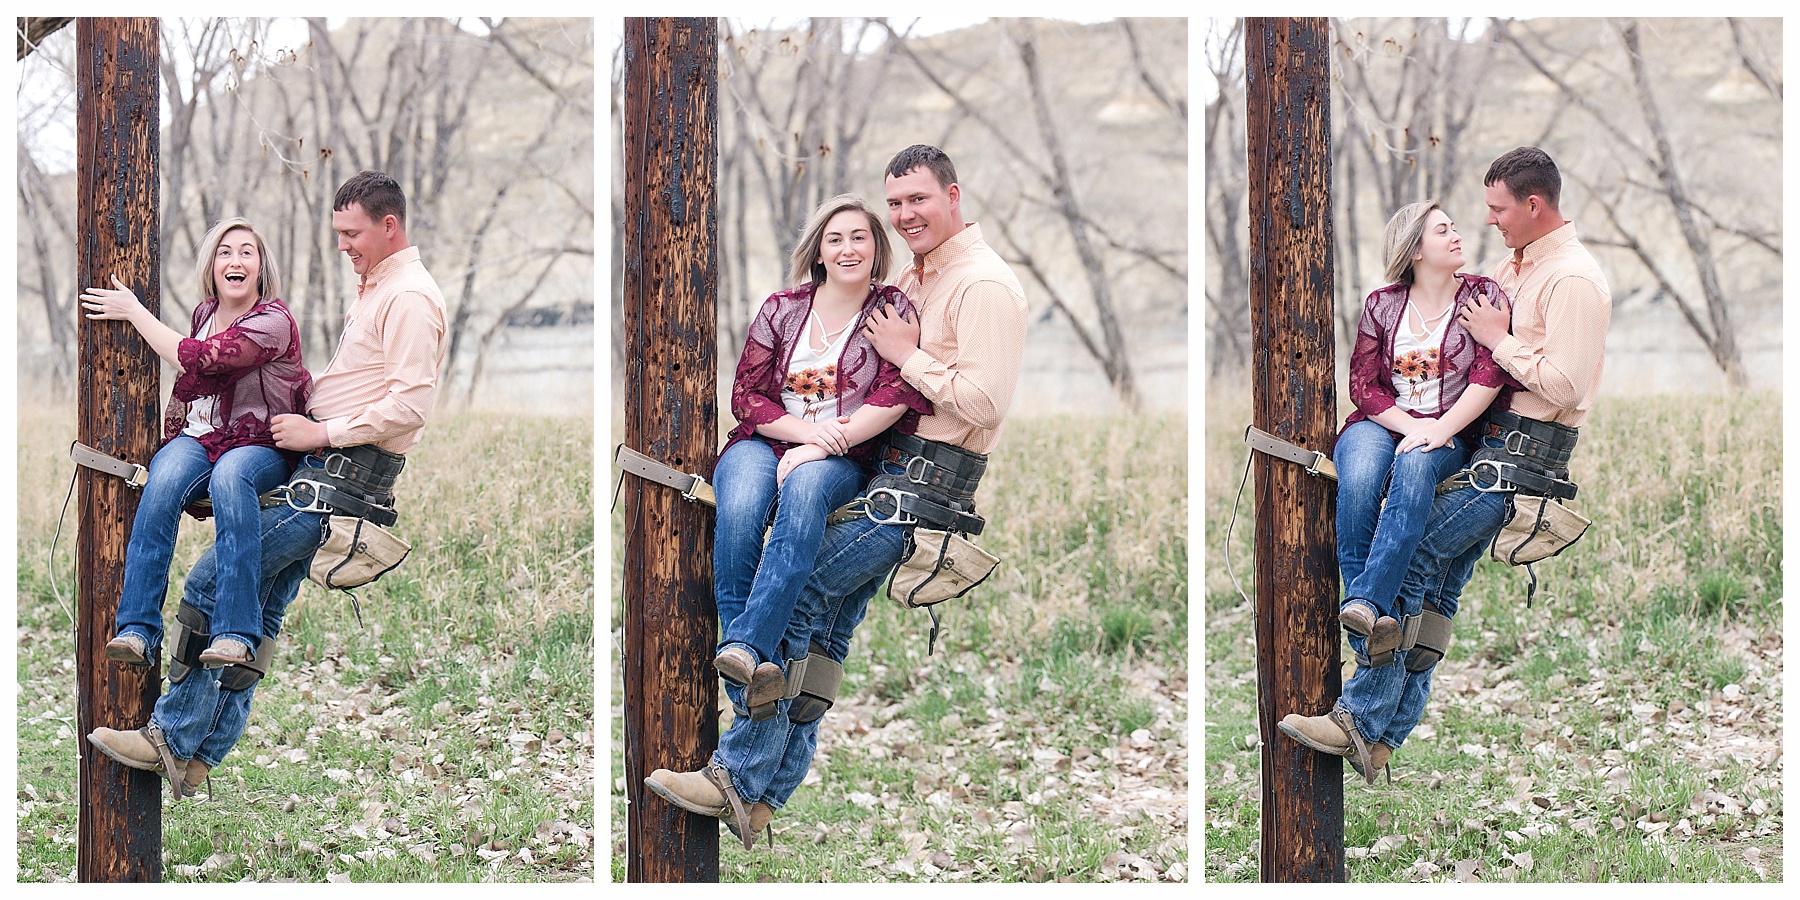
<point x="380" y="383"/>
<point x="1561" y="306"/>
<point x="971" y="339"/>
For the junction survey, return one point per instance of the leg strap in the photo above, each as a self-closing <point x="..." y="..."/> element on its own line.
<point x="191" y="636"/>
<point x="813" y="684"/>
<point x="1429" y="641"/>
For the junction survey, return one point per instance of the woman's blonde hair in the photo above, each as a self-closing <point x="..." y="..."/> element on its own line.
<point x="1401" y="239"/>
<point x="806" y="265"/>
<point x="268" y="278"/>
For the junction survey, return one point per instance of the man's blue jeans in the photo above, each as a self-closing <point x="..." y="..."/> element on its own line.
<point x="180" y="474"/>
<point x="1387" y="702"/>
<point x="758" y="586"/>
<point x="1375" y="540"/>
<point x="199" y="718"/>
<point x="768" y="759"/>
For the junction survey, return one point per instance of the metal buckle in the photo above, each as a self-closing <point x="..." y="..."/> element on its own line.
<point x="335" y="458"/>
<point x="139" y="476"/>
<point x="924" y="465"/>
<point x="1319" y="459"/>
<point x="1500" y="486"/>
<point x="693" y="486"/>
<point x="1522" y="438"/>
<point x="900" y="517"/>
<point x="315" y="505"/>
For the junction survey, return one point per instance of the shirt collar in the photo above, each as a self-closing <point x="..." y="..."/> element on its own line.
<point x="1537" y="251"/>
<point x="937" y="257"/>
<point x="389" y="266"/>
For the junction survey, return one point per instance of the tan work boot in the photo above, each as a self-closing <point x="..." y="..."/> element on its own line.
<point x="129" y="748"/>
<point x="144" y="749"/>
<point x="709" y="793"/>
<point x="735" y="664"/>
<point x="128" y="649"/>
<point x="760" y="815"/>
<point x="194" y="777"/>
<point x="1378" y="760"/>
<point x="764" y="690"/>
<point x="1318" y="732"/>
<point x="691" y="791"/>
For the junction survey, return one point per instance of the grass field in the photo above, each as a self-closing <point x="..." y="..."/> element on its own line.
<point x="1047" y="737"/>
<point x="1626" y="728"/>
<point x="449" y="738"/>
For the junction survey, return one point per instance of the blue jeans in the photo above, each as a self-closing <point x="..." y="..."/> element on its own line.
<point x="1375" y="540"/>
<point x="180" y="474"/>
<point x="757" y="586"/>
<point x="1387" y="702"/>
<point x="768" y="759"/>
<point x="200" y="719"/>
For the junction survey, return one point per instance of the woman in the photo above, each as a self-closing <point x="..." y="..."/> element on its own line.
<point x="240" y="367"/>
<point x="1419" y="382"/>
<point x="811" y="397"/>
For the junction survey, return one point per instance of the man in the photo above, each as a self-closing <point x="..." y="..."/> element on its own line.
<point x="963" y="354"/>
<point x="375" y="394"/>
<point x="1556" y="349"/>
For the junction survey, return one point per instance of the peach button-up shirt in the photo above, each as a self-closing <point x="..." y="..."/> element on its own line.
<point x="1561" y="306"/>
<point x="971" y="339"/>
<point x="380" y="384"/>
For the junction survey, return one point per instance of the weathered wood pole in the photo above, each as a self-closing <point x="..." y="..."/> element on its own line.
<point x="671" y="413"/>
<point x="1288" y="123"/>
<point x="119" y="837"/>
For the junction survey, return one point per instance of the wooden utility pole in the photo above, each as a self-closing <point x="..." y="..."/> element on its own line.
<point x="116" y="137"/>
<point x="1287" y="66"/>
<point x="671" y="414"/>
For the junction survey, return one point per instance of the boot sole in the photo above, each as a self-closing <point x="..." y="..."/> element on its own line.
<point x="717" y="812"/>
<point x="764" y="691"/>
<point x="1353" y="623"/>
<point x="732" y="669"/>
<point x="1384" y="638"/>
<point x="156" y="766"/>
<point x="126" y="655"/>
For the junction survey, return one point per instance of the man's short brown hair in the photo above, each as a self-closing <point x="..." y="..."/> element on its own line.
<point x="1527" y="171"/>
<point x="923" y="155"/>
<point x="378" y="195"/>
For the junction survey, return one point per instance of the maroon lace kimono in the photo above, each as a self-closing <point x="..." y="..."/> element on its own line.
<point x="253" y="366"/>
<point x="1460" y="359"/>
<point x="863" y="377"/>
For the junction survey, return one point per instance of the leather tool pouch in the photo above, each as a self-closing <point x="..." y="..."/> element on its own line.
<point x="1536" y="528"/>
<point x="354" y="552"/>
<point x="939" y="566"/>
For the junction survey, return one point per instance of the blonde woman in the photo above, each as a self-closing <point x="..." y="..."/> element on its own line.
<point x="811" y="397"/>
<point x="240" y="367"/>
<point x="1420" y="383"/>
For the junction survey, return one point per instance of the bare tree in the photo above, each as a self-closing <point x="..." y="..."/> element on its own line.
<point x="1227" y="183"/>
<point x="1651" y="148"/>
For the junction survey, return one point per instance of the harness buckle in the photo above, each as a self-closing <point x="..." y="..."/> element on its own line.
<point x="1319" y="459"/>
<point x="1517" y="438"/>
<point x="315" y="505"/>
<point x="693" y="486"/>
<point x="337" y="465"/>
<point x="924" y="466"/>
<point x="1500" y="486"/>
<point x="900" y="517"/>
<point x="139" y="476"/>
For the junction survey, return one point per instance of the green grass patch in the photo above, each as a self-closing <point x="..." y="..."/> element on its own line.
<point x="1625" y="728"/>
<point x="447" y="737"/>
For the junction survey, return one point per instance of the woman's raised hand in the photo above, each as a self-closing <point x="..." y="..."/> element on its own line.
<point x="117" y="303"/>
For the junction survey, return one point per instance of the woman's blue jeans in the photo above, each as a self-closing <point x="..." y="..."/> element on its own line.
<point x="1376" y="540"/>
<point x="200" y="719"/>
<point x="757" y="585"/>
<point x="180" y="474"/>
<point x="768" y="759"/>
<point x="1388" y="702"/>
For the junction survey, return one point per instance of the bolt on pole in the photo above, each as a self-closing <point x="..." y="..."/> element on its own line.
<point x="119" y="835"/>
<point x="1288" y="122"/>
<point x="671" y="413"/>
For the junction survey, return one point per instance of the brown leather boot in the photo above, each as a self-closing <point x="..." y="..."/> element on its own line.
<point x="1378" y="760"/>
<point x="194" y="777"/>
<point x="760" y="815"/>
